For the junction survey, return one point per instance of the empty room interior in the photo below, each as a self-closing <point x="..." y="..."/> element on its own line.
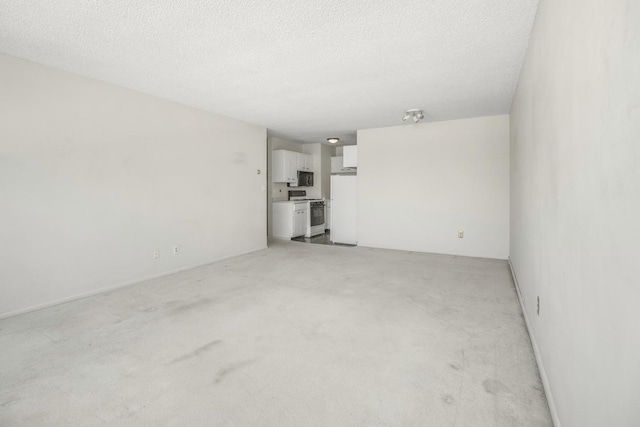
<point x="383" y="213"/>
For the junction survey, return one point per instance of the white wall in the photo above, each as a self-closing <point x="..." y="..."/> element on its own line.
<point x="94" y="177"/>
<point x="575" y="207"/>
<point x="419" y="184"/>
<point x="325" y="167"/>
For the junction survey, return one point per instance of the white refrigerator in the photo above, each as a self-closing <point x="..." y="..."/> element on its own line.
<point x="344" y="192"/>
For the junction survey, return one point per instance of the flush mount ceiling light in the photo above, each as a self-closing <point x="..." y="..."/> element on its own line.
<point x="333" y="140"/>
<point x="414" y="114"/>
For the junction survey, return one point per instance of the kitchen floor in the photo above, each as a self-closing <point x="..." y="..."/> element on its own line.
<point x="320" y="239"/>
<point x="294" y="335"/>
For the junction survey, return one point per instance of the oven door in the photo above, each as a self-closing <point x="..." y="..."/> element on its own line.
<point x="317" y="213"/>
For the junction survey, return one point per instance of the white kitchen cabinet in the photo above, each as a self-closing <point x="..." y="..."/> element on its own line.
<point x="284" y="166"/>
<point x="305" y="162"/>
<point x="338" y="167"/>
<point x="301" y="161"/>
<point x="289" y="219"/>
<point x="350" y="156"/>
<point x="300" y="219"/>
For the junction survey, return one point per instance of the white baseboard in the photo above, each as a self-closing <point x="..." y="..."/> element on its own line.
<point x="536" y="351"/>
<point x="461" y="254"/>
<point x="113" y="287"/>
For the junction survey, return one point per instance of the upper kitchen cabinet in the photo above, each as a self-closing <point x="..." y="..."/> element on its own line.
<point x="305" y="162"/>
<point x="337" y="165"/>
<point x="350" y="156"/>
<point x="284" y="166"/>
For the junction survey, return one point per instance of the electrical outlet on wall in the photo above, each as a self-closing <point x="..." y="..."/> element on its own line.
<point x="461" y="234"/>
<point x="156" y="253"/>
<point x="176" y="249"/>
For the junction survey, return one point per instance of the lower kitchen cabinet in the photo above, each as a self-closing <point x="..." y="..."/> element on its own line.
<point x="289" y="219"/>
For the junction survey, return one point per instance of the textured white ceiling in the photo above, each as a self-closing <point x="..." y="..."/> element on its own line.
<point x="305" y="70"/>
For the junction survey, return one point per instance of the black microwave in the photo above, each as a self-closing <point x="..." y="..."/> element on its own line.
<point x="305" y="179"/>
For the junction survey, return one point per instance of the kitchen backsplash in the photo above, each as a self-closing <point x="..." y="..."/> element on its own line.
<point x="280" y="191"/>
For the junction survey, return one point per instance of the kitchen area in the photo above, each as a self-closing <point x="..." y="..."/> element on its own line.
<point x="313" y="193"/>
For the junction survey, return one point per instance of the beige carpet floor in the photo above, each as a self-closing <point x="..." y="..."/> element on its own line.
<point x="295" y="335"/>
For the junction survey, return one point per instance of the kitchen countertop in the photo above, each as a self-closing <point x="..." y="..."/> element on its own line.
<point x="296" y="201"/>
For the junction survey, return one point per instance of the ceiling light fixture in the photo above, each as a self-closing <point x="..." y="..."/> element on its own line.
<point x="414" y="114"/>
<point x="333" y="140"/>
